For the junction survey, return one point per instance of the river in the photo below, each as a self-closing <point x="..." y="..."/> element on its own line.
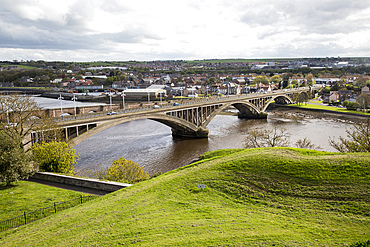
<point x="151" y="144"/>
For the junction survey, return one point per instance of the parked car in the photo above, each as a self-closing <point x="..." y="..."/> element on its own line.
<point x="156" y="107"/>
<point x="111" y="113"/>
<point x="176" y="103"/>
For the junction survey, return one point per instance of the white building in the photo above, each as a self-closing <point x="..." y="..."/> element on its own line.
<point x="141" y="93"/>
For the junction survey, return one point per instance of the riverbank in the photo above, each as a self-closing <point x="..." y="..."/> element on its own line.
<point x="294" y="112"/>
<point x="331" y="109"/>
<point x="254" y="197"/>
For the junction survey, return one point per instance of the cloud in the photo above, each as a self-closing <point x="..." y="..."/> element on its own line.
<point x="183" y="29"/>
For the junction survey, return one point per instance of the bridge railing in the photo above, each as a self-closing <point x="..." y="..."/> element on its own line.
<point x="168" y="105"/>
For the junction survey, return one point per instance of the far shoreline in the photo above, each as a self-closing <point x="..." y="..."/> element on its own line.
<point x="349" y="114"/>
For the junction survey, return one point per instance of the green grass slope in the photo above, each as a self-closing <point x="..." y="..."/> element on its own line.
<point x="256" y="197"/>
<point x="28" y="196"/>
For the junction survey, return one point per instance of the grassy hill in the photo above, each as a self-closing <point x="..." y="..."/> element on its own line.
<point x="255" y="197"/>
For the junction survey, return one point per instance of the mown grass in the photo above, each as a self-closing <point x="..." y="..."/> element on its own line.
<point x="28" y="196"/>
<point x="329" y="108"/>
<point x="19" y="66"/>
<point x="255" y="197"/>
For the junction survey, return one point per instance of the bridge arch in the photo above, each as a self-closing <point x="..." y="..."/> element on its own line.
<point x="280" y="99"/>
<point x="178" y="126"/>
<point x="245" y="108"/>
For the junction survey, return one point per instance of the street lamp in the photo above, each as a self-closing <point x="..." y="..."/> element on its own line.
<point x="123" y="101"/>
<point x="110" y="100"/>
<point x="148" y="99"/>
<point x="7" y="115"/>
<point x="160" y="98"/>
<point x="181" y="94"/>
<point x="207" y="91"/>
<point x="61" y="106"/>
<point x="74" y="103"/>
<point x="281" y="85"/>
<point x="218" y="93"/>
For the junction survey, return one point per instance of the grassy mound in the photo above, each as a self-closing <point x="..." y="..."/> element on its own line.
<point x="256" y="197"/>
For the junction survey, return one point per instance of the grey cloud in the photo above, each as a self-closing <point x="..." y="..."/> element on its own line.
<point x="70" y="32"/>
<point x="321" y="17"/>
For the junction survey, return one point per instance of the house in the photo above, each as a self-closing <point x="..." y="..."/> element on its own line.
<point x="344" y="95"/>
<point x="56" y="80"/>
<point x="239" y="81"/>
<point x="26" y="79"/>
<point x="143" y="93"/>
<point x="6" y="84"/>
<point x="334" y="96"/>
<point x="118" y="84"/>
<point x="365" y="90"/>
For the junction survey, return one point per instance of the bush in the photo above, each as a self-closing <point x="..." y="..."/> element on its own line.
<point x="55" y="156"/>
<point x="126" y="171"/>
<point x="353" y="106"/>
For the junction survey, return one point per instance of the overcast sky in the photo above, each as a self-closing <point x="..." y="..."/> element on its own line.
<point x="100" y="30"/>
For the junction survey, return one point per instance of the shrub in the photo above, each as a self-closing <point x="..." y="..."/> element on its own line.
<point x="127" y="171"/>
<point x="353" y="105"/>
<point x="55" y="156"/>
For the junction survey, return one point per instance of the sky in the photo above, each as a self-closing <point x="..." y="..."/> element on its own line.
<point x="147" y="30"/>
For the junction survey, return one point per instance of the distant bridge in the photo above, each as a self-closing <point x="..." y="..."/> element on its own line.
<point x="188" y="120"/>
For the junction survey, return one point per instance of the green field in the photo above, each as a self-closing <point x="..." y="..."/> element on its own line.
<point x="18" y="66"/>
<point x="28" y="196"/>
<point x="252" y="197"/>
<point x="329" y="108"/>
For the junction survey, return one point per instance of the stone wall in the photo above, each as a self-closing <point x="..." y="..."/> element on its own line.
<point x="80" y="182"/>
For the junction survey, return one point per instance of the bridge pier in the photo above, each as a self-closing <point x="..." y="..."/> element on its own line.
<point x="261" y="115"/>
<point x="199" y="133"/>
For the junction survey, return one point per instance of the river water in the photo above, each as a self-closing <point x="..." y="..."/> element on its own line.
<point x="151" y="144"/>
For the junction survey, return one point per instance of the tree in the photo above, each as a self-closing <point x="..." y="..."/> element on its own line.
<point x="353" y="105"/>
<point x="212" y="80"/>
<point x="345" y="103"/>
<point x="335" y="87"/>
<point x="358" y="139"/>
<point x="306" y="143"/>
<point x="261" y="79"/>
<point x="22" y="115"/>
<point x="310" y="79"/>
<point x="364" y="101"/>
<point x="267" y="138"/>
<point x="55" y="156"/>
<point x="300" y="98"/>
<point x="127" y="171"/>
<point x="14" y="162"/>
<point x="275" y="79"/>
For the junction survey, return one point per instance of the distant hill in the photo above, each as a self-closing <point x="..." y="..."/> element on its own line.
<point x="241" y="197"/>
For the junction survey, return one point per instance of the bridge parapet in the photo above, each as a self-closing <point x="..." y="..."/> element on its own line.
<point x="191" y="120"/>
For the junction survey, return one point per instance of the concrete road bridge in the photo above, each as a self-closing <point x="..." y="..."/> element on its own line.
<point x="188" y="119"/>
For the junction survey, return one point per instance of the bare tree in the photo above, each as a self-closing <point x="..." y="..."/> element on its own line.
<point x="306" y="143"/>
<point x="21" y="115"/>
<point x="267" y="138"/>
<point x="358" y="139"/>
